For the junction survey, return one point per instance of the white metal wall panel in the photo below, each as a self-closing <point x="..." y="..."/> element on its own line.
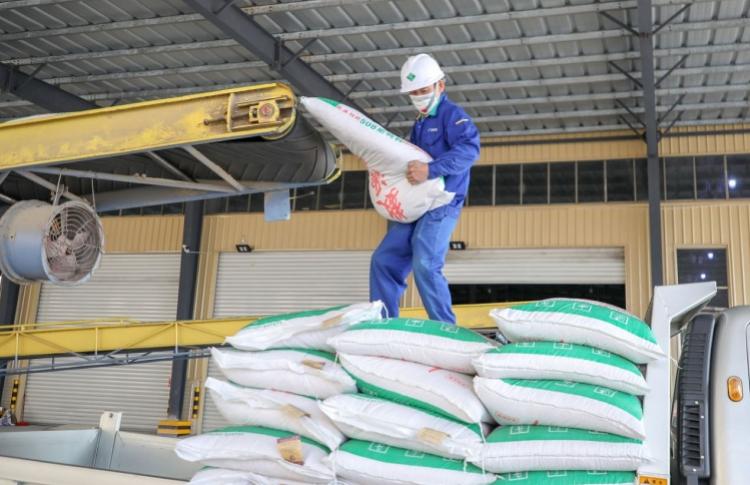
<point x="138" y="286"/>
<point x="140" y="391"/>
<point x="266" y="283"/>
<point x="141" y="286"/>
<point x="536" y="266"/>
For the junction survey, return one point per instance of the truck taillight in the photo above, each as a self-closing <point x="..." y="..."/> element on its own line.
<point x="734" y="388"/>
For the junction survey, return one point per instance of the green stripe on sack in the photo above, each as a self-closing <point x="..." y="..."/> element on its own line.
<point x="330" y="101"/>
<point x="291" y="316"/>
<point x="473" y="427"/>
<point x="590" y="309"/>
<point x="399" y="456"/>
<point x="627" y="402"/>
<point x="571" y="351"/>
<point x="376" y="391"/>
<point x="566" y="478"/>
<point x="510" y="434"/>
<point x="422" y="327"/>
<point x="275" y="433"/>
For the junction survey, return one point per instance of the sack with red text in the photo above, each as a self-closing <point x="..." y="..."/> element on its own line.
<point x="387" y="157"/>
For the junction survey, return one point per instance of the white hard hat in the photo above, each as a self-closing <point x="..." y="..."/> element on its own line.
<point x="419" y="72"/>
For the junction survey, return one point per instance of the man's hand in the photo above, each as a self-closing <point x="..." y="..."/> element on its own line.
<point x="417" y="172"/>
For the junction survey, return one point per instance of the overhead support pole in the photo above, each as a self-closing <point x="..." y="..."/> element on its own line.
<point x="191" y="240"/>
<point x="214" y="167"/>
<point x="47" y="185"/>
<point x="242" y="28"/>
<point x="168" y="166"/>
<point x="133" y="179"/>
<point x="646" y="42"/>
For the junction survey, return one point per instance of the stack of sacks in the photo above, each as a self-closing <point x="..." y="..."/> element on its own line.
<point x="566" y="392"/>
<point x="418" y="419"/>
<point x="279" y="435"/>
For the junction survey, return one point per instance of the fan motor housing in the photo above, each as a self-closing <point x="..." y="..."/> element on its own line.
<point x="25" y="231"/>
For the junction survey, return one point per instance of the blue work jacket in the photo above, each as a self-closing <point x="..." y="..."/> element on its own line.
<point x="451" y="138"/>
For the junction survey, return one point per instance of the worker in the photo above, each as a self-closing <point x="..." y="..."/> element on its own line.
<point x="449" y="135"/>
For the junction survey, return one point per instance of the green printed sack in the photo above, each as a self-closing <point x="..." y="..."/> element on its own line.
<point x="441" y="391"/>
<point x="305" y="372"/>
<point x="530" y="448"/>
<point x="304" y="330"/>
<point x="427" y="342"/>
<point x="369" y="463"/>
<point x="564" y="362"/>
<point x="566" y="478"/>
<point x="562" y="403"/>
<point x="264" y="451"/>
<point x="580" y="322"/>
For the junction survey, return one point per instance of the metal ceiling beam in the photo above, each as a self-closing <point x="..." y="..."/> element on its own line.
<point x="214" y="167"/>
<point x="304" y="5"/>
<point x="26" y="87"/>
<point x="591" y="113"/>
<point x="177" y="19"/>
<point x="149" y="196"/>
<point x="249" y="34"/>
<point x="132" y="179"/>
<point x="608" y="127"/>
<point x="403" y="51"/>
<point x="47" y="184"/>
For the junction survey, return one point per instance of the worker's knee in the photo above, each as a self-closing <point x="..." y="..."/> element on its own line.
<point x="425" y="267"/>
<point x="380" y="262"/>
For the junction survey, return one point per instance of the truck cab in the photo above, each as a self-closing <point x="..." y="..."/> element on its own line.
<point x="711" y="406"/>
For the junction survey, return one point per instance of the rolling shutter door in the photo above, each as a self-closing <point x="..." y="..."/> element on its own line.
<point x="536" y="266"/>
<point x="138" y="286"/>
<point x="266" y="283"/>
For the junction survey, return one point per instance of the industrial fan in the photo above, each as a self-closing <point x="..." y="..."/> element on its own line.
<point x="61" y="243"/>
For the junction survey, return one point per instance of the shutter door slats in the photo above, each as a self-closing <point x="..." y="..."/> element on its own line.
<point x="136" y="286"/>
<point x="267" y="283"/>
<point x="536" y="266"/>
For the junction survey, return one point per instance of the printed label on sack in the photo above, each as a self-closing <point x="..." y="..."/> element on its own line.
<point x="333" y="321"/>
<point x="431" y="436"/>
<point x="290" y="449"/>
<point x="293" y="412"/>
<point x="315" y="364"/>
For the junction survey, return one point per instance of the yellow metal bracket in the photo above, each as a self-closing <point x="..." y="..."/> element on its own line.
<point x="251" y="111"/>
<point x="125" y="335"/>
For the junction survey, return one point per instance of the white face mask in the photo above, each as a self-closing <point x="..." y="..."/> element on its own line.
<point x="425" y="102"/>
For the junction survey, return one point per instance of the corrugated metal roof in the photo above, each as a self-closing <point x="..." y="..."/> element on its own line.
<point x="518" y="66"/>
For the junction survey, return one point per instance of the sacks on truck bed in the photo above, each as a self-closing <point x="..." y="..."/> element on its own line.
<point x="387" y="157"/>
<point x="369" y="463"/>
<point x="305" y="330"/>
<point x="567" y="478"/>
<point x="427" y="342"/>
<point x="444" y="392"/>
<point x="368" y="418"/>
<point x="225" y="476"/>
<point x="531" y="448"/>
<point x="264" y="451"/>
<point x="300" y="371"/>
<point x="562" y="403"/>
<point x="580" y="322"/>
<point x="564" y="362"/>
<point x="273" y="409"/>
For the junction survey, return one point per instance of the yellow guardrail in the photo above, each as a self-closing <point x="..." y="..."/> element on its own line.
<point x="58" y="338"/>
